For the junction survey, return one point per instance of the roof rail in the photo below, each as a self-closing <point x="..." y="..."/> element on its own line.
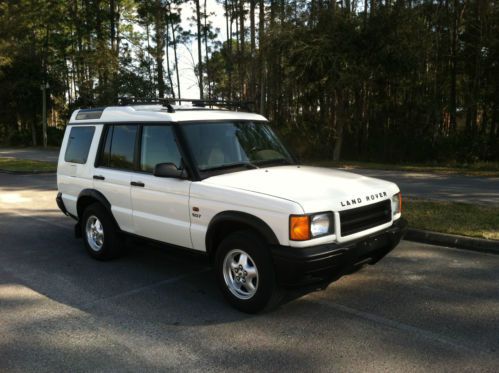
<point x="196" y="103"/>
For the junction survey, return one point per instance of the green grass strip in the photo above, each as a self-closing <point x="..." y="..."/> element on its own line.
<point x="453" y="217"/>
<point x="22" y="165"/>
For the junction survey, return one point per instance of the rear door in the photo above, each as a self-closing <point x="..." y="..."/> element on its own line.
<point x="113" y="171"/>
<point x="160" y="205"/>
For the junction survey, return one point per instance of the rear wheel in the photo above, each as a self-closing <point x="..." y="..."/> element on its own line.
<point x="100" y="234"/>
<point x="245" y="273"/>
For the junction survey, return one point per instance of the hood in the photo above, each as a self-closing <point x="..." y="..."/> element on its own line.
<point x="314" y="188"/>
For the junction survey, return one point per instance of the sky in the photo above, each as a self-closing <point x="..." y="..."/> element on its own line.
<point x="188" y="55"/>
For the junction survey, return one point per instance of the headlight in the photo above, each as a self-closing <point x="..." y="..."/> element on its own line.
<point x="321" y="224"/>
<point x="305" y="227"/>
<point x="397" y="204"/>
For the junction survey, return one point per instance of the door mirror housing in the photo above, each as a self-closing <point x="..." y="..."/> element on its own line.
<point x="168" y="170"/>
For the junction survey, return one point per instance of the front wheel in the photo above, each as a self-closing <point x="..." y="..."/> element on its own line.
<point x="245" y="272"/>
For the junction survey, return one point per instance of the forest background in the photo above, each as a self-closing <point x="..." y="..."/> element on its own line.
<point x="387" y="81"/>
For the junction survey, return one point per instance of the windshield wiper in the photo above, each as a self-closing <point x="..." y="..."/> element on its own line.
<point x="275" y="160"/>
<point x="249" y="165"/>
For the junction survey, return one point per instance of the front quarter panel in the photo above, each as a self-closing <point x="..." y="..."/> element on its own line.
<point x="211" y="200"/>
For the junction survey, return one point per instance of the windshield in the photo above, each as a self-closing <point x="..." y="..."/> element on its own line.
<point x="225" y="145"/>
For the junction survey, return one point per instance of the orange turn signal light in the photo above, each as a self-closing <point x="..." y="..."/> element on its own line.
<point x="299" y="227"/>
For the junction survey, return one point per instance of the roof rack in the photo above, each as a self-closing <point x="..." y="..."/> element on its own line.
<point x="195" y="103"/>
<point x="126" y="101"/>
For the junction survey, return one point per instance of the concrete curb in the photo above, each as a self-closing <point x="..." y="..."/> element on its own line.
<point x="33" y="172"/>
<point x="451" y="240"/>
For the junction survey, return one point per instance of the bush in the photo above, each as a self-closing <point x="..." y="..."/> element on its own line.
<point x="20" y="138"/>
<point x="54" y="136"/>
<point x="23" y="137"/>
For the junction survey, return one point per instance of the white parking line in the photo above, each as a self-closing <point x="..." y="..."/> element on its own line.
<point x="399" y="326"/>
<point x="143" y="288"/>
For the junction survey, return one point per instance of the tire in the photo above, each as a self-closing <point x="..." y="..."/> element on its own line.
<point x="248" y="285"/>
<point x="100" y="235"/>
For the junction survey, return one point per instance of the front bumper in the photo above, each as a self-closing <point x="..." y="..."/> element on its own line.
<point x="298" y="266"/>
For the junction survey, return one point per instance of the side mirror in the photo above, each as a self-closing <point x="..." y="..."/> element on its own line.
<point x="168" y="170"/>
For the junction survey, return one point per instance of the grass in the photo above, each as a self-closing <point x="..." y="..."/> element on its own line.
<point x="481" y="169"/>
<point x="22" y="165"/>
<point x="453" y="217"/>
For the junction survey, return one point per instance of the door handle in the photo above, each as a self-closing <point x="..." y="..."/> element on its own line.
<point x="137" y="183"/>
<point x="99" y="177"/>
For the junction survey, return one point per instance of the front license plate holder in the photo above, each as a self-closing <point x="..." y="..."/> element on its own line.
<point x="372" y="244"/>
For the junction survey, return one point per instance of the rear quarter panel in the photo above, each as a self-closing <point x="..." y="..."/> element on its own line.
<point x="72" y="178"/>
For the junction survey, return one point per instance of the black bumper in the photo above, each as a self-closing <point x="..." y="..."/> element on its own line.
<point x="62" y="207"/>
<point x="322" y="263"/>
<point x="60" y="203"/>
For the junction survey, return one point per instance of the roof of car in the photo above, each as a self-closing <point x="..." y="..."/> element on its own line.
<point x="158" y="113"/>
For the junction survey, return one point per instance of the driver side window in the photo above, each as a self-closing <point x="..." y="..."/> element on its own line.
<point x="158" y="146"/>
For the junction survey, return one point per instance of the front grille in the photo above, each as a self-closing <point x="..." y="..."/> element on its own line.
<point x="365" y="217"/>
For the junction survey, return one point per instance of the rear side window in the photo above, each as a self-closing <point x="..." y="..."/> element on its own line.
<point x="119" y="147"/>
<point x="80" y="139"/>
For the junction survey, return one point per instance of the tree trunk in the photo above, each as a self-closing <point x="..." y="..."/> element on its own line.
<point x="33" y="132"/>
<point x="374" y="5"/>
<point x="252" y="84"/>
<point x="228" y="27"/>
<point x="149" y="70"/>
<point x="167" y="47"/>
<point x="242" y="64"/>
<point x="366" y="5"/>
<point x="112" y="24"/>
<point x="205" y="32"/>
<point x="160" y="39"/>
<point x="453" y="69"/>
<point x="200" y="56"/>
<point x="338" y="125"/>
<point x="261" y="61"/>
<point x="176" y="59"/>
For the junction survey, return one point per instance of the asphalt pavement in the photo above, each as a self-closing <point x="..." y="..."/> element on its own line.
<point x="457" y="188"/>
<point x="422" y="308"/>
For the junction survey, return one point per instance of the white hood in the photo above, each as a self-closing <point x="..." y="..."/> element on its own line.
<point x="314" y="188"/>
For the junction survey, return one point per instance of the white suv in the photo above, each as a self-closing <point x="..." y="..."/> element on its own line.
<point x="220" y="182"/>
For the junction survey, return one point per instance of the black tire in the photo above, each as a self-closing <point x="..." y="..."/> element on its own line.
<point x="112" y="246"/>
<point x="267" y="293"/>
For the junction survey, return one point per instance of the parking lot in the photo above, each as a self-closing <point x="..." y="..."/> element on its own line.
<point x="422" y="308"/>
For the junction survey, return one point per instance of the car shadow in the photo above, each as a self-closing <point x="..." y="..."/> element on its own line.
<point x="148" y="279"/>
